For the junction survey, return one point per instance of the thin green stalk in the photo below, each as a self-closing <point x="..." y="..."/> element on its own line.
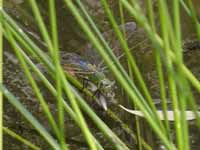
<point x="192" y="104"/>
<point x="184" y="96"/>
<point x="194" y="17"/>
<point x="172" y="85"/>
<point x="159" y="67"/>
<point x="129" y="131"/>
<point x="137" y="119"/>
<point x="83" y="125"/>
<point x="20" y="138"/>
<point x="182" y="83"/>
<point x="162" y="89"/>
<point x="33" y="84"/>
<point x="58" y="71"/>
<point x="180" y="120"/>
<point x="151" y="15"/>
<point x="140" y="141"/>
<point x="185" y="8"/>
<point x="1" y="81"/>
<point x="41" y="25"/>
<point x="177" y="30"/>
<point x="122" y="19"/>
<point x="165" y="25"/>
<point x="16" y="103"/>
<point x="22" y="37"/>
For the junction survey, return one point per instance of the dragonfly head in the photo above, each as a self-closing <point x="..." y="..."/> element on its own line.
<point x="91" y="67"/>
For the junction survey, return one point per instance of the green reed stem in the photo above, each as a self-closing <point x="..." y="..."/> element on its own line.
<point x="183" y="83"/>
<point x="33" y="83"/>
<point x="163" y="94"/>
<point x="159" y="67"/>
<point x="41" y="25"/>
<point x="185" y="7"/>
<point x="56" y="59"/>
<point x="151" y="15"/>
<point x="73" y="101"/>
<point x="122" y="18"/>
<point x="191" y="12"/>
<point x="1" y="81"/>
<point x="139" y="140"/>
<point x="165" y="25"/>
<point x="20" y="138"/>
<point x="16" y="103"/>
<point x="23" y="38"/>
<point x="192" y="104"/>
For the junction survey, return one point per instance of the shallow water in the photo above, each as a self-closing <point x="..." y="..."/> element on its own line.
<point x="72" y="39"/>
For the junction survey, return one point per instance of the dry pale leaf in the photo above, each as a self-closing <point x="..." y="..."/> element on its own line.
<point x="190" y="115"/>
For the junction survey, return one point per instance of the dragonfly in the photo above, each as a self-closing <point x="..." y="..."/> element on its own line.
<point x="94" y="79"/>
<point x="94" y="73"/>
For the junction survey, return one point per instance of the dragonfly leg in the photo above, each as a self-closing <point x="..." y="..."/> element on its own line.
<point x="100" y="99"/>
<point x="84" y="83"/>
<point x="96" y="93"/>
